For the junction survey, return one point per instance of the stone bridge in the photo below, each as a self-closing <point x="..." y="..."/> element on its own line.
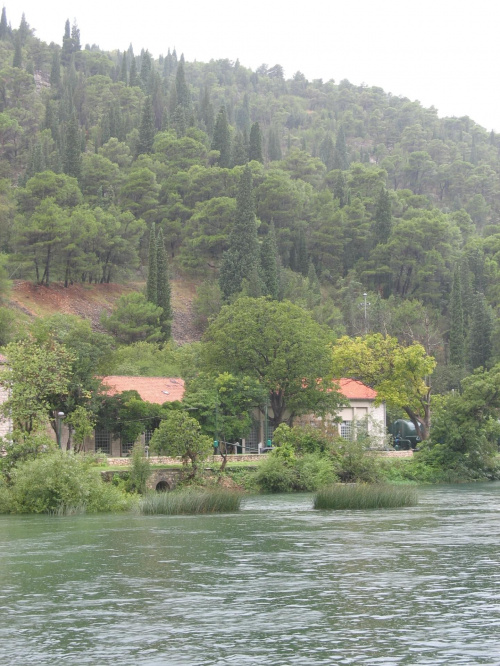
<point x="164" y="479"/>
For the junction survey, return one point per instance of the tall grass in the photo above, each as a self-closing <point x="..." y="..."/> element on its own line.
<point x="190" y="501"/>
<point x="365" y="496"/>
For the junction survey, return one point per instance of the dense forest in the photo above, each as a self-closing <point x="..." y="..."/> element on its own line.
<point x="371" y="212"/>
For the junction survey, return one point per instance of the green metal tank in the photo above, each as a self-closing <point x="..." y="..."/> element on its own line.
<point x="404" y="435"/>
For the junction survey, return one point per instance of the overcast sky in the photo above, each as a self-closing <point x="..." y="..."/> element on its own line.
<point x="444" y="53"/>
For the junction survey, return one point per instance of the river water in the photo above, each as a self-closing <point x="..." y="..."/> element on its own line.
<point x="277" y="584"/>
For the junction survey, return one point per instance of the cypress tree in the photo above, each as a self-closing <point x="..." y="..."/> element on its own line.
<point x="240" y="150"/>
<point x="241" y="261"/>
<point x="255" y="148"/>
<point x="301" y="254"/>
<point x="24" y="30"/>
<point x="383" y="218"/>
<point x="163" y="286"/>
<point x="55" y="71"/>
<point x="183" y="96"/>
<point x="152" y="281"/>
<point x="221" y="140"/>
<point x="133" y="80"/>
<point x="269" y="263"/>
<point x="274" y="145"/>
<point x="66" y="50"/>
<point x="480" y="347"/>
<point x="327" y="152"/>
<point x="72" y="153"/>
<point x="123" y="68"/>
<point x="18" y="57"/>
<point x="147" y="129"/>
<point x="146" y="66"/>
<point x="340" y="160"/>
<point x="457" y="332"/>
<point x="4" y="29"/>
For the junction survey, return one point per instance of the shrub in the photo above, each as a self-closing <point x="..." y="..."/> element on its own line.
<point x="56" y="481"/>
<point x="190" y="501"/>
<point x="352" y="464"/>
<point x="278" y="474"/>
<point x="140" y="469"/>
<point x="365" y="496"/>
<point x="303" y="439"/>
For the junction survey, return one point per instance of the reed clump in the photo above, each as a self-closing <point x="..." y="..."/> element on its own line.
<point x="190" y="501"/>
<point x="365" y="496"/>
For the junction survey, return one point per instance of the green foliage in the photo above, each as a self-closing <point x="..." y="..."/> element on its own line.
<point x="190" y="501"/>
<point x="353" y="464"/>
<point x="144" y="359"/>
<point x="363" y="496"/>
<point x="221" y="139"/>
<point x="140" y="469"/>
<point x="164" y="291"/>
<point x="22" y="447"/>
<point x="281" y="346"/>
<point x="280" y="474"/>
<point x="152" y="281"/>
<point x="134" y="319"/>
<point x="56" y="480"/>
<point x="37" y="379"/>
<point x="302" y="439"/>
<point x="180" y="435"/>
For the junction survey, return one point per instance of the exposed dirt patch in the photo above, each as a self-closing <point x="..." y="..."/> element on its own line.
<point x="90" y="301"/>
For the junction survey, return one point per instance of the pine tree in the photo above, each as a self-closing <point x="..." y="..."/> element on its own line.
<point x="269" y="263"/>
<point x="457" y="331"/>
<point x="73" y="153"/>
<point x="255" y="148"/>
<point x="241" y="260"/>
<point x="66" y="50"/>
<point x="340" y="160"/>
<point x="480" y="347"/>
<point x="152" y="281"/>
<point x="382" y="225"/>
<point x="4" y="29"/>
<point x="221" y="140"/>
<point x="24" y="30"/>
<point x="146" y="66"/>
<point x="163" y="286"/>
<point x="147" y="129"/>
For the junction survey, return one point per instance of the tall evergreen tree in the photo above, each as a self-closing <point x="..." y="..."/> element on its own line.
<point x="147" y="130"/>
<point x="327" y="152"/>
<point x="340" y="160"/>
<point x="164" y="292"/>
<point x="269" y="263"/>
<point x="55" y="71"/>
<point x="67" y="48"/>
<point x="457" y="331"/>
<point x="255" y="148"/>
<point x="221" y="140"/>
<point x="241" y="260"/>
<point x="302" y="257"/>
<point x="152" y="281"/>
<point x="133" y="79"/>
<point x="4" y="28"/>
<point x="240" y="150"/>
<point x="146" y="67"/>
<point x="274" y="152"/>
<point x="124" y="69"/>
<point x="382" y="224"/>
<point x="480" y="347"/>
<point x="73" y="153"/>
<point x="18" y="57"/>
<point x="181" y="88"/>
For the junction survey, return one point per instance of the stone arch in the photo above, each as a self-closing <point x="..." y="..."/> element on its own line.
<point x="162" y="486"/>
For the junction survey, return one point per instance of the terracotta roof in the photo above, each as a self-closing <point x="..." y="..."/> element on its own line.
<point x="355" y="390"/>
<point x="151" y="389"/>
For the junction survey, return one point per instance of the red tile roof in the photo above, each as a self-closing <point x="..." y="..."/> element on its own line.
<point x="151" y="389"/>
<point x="355" y="390"/>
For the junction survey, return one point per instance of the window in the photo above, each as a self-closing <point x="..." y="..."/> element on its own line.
<point x="253" y="439"/>
<point x="127" y="448"/>
<point x="346" y="430"/>
<point x="103" y="441"/>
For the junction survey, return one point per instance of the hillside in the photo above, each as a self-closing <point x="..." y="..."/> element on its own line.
<point x="90" y="301"/>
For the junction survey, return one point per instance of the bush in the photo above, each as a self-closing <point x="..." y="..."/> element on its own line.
<point x="303" y="439"/>
<point x="365" y="496"/>
<point x="278" y="474"/>
<point x="352" y="464"/>
<point x="190" y="501"/>
<point x="140" y="469"/>
<point x="58" y="481"/>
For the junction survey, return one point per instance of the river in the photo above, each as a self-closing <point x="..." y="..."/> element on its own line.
<point x="277" y="584"/>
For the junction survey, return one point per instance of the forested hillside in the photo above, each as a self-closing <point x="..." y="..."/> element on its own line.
<point x="371" y="212"/>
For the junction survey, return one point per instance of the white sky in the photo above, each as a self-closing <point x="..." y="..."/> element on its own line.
<point x="444" y="53"/>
